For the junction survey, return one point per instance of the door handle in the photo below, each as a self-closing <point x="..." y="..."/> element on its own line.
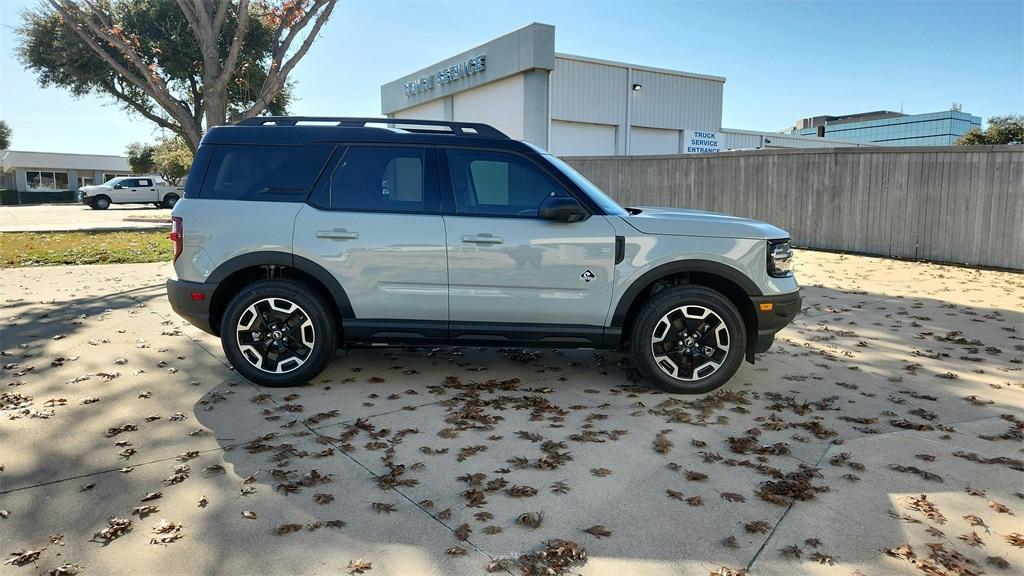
<point x="482" y="239"/>
<point x="337" y="234"/>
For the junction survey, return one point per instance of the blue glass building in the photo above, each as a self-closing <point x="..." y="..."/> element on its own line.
<point x="893" y="128"/>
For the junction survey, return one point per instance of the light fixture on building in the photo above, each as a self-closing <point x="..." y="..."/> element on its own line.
<point x="637" y="87"/>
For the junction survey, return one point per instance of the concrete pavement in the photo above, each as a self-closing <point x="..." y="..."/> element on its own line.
<point x="67" y="217"/>
<point x="899" y="380"/>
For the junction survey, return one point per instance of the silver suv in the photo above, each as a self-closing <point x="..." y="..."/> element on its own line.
<point x="298" y="236"/>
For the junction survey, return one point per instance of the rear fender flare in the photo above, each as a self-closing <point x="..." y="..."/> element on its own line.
<point x="286" y="260"/>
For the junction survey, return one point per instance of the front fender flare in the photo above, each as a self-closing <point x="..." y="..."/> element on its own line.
<point x="681" y="267"/>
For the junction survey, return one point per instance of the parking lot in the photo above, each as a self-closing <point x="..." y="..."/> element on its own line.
<point x="61" y="217"/>
<point x="881" y="435"/>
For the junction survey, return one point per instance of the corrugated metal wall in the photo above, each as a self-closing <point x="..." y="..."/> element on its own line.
<point x="680" y="102"/>
<point x="588" y="92"/>
<point x="962" y="204"/>
<point x="595" y="92"/>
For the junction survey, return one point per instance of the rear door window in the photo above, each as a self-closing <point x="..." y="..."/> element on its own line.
<point x="264" y="173"/>
<point x="382" y="179"/>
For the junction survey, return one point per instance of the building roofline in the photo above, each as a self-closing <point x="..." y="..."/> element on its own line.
<point x="639" y="67"/>
<point x="805" y="137"/>
<point x="63" y="154"/>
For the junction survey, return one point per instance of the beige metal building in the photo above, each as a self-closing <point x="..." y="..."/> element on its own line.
<point x="574" y="105"/>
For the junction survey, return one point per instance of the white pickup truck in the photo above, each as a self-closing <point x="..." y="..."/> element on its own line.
<point x="131" y="190"/>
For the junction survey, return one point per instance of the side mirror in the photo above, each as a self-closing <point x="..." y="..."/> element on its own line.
<point x="118" y="186"/>
<point x="561" y="209"/>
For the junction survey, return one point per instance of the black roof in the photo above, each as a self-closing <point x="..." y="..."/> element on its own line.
<point x="302" y="130"/>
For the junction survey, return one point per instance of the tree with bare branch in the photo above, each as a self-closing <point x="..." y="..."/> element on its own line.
<point x="186" y="65"/>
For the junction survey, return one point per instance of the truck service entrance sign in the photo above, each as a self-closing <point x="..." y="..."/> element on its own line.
<point x="701" y="142"/>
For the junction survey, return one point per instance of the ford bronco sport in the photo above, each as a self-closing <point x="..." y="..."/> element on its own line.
<point x="298" y="236"/>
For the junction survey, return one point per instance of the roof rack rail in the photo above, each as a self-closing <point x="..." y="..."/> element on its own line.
<point x="457" y="128"/>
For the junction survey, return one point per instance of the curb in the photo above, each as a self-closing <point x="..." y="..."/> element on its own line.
<point x="161" y="226"/>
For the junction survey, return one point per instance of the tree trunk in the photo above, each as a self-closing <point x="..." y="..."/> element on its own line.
<point x="193" y="133"/>
<point x="215" y="107"/>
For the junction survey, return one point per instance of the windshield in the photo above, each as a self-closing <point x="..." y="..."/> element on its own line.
<point x="111" y="182"/>
<point x="611" y="207"/>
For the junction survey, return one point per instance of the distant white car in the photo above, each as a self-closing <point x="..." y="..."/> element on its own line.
<point x="131" y="190"/>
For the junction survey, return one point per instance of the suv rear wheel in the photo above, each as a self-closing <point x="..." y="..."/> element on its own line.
<point x="278" y="333"/>
<point x="688" y="339"/>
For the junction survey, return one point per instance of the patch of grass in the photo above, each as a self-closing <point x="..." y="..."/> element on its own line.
<point x="18" y="249"/>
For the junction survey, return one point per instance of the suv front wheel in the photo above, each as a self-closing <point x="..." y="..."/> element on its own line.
<point x="688" y="339"/>
<point x="278" y="333"/>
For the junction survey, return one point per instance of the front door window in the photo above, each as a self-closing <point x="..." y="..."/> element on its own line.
<point x="491" y="183"/>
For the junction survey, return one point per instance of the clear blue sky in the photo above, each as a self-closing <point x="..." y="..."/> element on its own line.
<point x="783" y="60"/>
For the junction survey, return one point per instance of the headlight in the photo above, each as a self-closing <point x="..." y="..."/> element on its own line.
<point x="780" y="258"/>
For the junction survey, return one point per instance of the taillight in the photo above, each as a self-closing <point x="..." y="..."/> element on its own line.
<point x="177" y="235"/>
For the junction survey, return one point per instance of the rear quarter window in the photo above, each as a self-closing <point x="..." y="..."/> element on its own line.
<point x="263" y="173"/>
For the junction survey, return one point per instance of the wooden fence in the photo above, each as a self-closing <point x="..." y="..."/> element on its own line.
<point x="960" y="204"/>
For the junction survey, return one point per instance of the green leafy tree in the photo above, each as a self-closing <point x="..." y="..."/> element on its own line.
<point x="172" y="158"/>
<point x="185" y="65"/>
<point x="5" y="135"/>
<point x="1007" y="129"/>
<point x="140" y="158"/>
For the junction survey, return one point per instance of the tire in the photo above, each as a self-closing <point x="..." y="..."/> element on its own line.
<point x="100" y="203"/>
<point x="302" y="352"/>
<point x="689" y="365"/>
<point x="170" y="200"/>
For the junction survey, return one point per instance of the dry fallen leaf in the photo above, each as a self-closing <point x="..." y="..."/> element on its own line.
<point x="531" y="520"/>
<point x="792" y="551"/>
<point x="757" y="527"/>
<point x="288" y="529"/>
<point x="143" y="511"/>
<point x="1000" y="508"/>
<point x="599" y="531"/>
<point x="823" y="559"/>
<point x="997" y="561"/>
<point x="24" y="557"/>
<point x="358" y="566"/>
<point x="972" y="539"/>
<point x="66" y="570"/>
<point x="662" y="445"/>
<point x="116" y="527"/>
